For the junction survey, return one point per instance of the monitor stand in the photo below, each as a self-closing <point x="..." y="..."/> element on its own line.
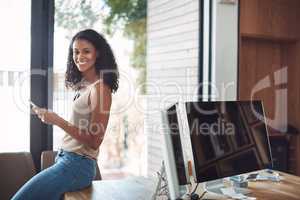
<point x="216" y="186"/>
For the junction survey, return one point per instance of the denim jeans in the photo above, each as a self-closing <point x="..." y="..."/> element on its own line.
<point x="70" y="172"/>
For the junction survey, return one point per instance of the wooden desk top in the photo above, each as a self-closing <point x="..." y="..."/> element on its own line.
<point x="139" y="188"/>
<point x="286" y="189"/>
<point x="142" y="189"/>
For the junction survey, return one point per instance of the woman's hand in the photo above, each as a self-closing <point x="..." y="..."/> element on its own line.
<point x="47" y="116"/>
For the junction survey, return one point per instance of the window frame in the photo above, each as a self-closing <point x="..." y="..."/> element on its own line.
<point x="41" y="77"/>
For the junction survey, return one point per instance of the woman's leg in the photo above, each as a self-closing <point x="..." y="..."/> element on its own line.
<point x="48" y="184"/>
<point x="69" y="173"/>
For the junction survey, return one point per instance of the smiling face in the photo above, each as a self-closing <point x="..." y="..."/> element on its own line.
<point x="84" y="55"/>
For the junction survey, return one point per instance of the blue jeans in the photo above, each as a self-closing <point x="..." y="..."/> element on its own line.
<point x="70" y="172"/>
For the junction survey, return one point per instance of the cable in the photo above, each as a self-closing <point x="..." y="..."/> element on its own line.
<point x="195" y="196"/>
<point x="195" y="189"/>
<point x="202" y="195"/>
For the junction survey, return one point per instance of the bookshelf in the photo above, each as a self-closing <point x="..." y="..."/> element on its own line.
<point x="221" y="151"/>
<point x="269" y="42"/>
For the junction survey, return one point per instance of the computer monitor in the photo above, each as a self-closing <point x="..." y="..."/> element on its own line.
<point x="227" y="138"/>
<point x="174" y="156"/>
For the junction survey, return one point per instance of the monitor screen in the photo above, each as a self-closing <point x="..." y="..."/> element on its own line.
<point x="227" y="138"/>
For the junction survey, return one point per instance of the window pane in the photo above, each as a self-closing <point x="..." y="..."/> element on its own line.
<point x="14" y="79"/>
<point x="123" y="148"/>
<point x="62" y="97"/>
<point x="1" y="78"/>
<point x="11" y="78"/>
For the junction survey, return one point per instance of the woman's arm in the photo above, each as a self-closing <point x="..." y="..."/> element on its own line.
<point x="100" y="101"/>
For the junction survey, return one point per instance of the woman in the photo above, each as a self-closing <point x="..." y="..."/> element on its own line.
<point x="92" y="72"/>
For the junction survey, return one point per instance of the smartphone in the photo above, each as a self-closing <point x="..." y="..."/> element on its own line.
<point x="33" y="104"/>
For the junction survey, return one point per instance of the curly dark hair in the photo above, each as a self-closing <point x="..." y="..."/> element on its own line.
<point x="106" y="66"/>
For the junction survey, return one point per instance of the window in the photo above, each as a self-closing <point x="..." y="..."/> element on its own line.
<point x="1" y="78"/>
<point x="123" y="147"/>
<point x="11" y="79"/>
<point x="15" y="58"/>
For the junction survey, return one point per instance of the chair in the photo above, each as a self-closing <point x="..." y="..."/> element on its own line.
<point x="15" y="170"/>
<point x="47" y="159"/>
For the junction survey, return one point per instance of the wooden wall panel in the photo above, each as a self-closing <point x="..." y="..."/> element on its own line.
<point x="284" y="17"/>
<point x="248" y="16"/>
<point x="278" y="19"/>
<point x="269" y="40"/>
<point x="270" y="18"/>
<point x="292" y="61"/>
<point x="259" y="60"/>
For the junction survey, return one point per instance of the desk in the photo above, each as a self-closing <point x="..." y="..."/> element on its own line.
<point x="286" y="189"/>
<point x="139" y="188"/>
<point x="142" y="189"/>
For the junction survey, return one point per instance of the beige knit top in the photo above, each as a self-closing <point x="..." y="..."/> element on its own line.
<point x="80" y="117"/>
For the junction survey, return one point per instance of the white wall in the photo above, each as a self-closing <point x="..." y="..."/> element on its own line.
<point x="172" y="64"/>
<point x="224" y="50"/>
<point x="172" y="59"/>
